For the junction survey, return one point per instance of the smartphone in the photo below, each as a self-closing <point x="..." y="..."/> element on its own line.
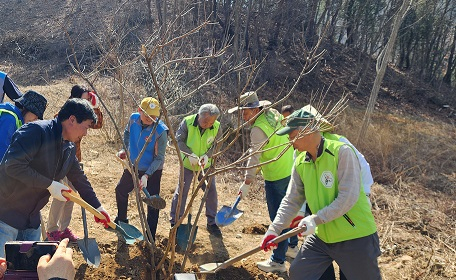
<point x="24" y="255"/>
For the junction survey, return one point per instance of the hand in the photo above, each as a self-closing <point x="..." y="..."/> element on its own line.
<point x="56" y="189"/>
<point x="2" y="267"/>
<point x="103" y="221"/>
<point x="121" y="154"/>
<point x="297" y="219"/>
<point x="194" y="159"/>
<point x="203" y="160"/>
<point x="266" y="244"/>
<point x="94" y="101"/>
<point x="310" y="225"/>
<point x="244" y="190"/>
<point x="143" y="181"/>
<point x="59" y="266"/>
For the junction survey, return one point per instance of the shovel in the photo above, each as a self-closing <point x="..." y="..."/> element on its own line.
<point x="153" y="201"/>
<point x="183" y="232"/>
<point x="227" y="215"/>
<point x="214" y="267"/>
<point x="88" y="246"/>
<point x="127" y="231"/>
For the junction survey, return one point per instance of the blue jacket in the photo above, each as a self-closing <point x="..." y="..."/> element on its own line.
<point x="135" y="136"/>
<point x="37" y="156"/>
<point x="8" y="124"/>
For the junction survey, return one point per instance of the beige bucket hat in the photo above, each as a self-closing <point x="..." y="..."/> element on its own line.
<point x="249" y="100"/>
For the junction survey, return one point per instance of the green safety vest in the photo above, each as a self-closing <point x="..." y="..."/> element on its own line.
<point x="281" y="168"/>
<point x="199" y="144"/>
<point x="321" y="189"/>
<point x="18" y="121"/>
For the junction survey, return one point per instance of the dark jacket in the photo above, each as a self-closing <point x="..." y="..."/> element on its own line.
<point x="36" y="157"/>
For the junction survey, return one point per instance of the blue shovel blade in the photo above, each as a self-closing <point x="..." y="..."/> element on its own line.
<point x="227" y="216"/>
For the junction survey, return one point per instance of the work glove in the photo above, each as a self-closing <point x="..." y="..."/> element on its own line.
<point x="244" y="190"/>
<point x="143" y="181"/>
<point x="203" y="160"/>
<point x="194" y="159"/>
<point x="297" y="219"/>
<point x="309" y="223"/>
<point x="103" y="221"/>
<point x="266" y="244"/>
<point x="121" y="154"/>
<point x="94" y="101"/>
<point x="2" y="267"/>
<point x="56" y="189"/>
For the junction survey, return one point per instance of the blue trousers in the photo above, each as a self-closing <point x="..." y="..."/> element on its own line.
<point x="8" y="233"/>
<point x="275" y="191"/>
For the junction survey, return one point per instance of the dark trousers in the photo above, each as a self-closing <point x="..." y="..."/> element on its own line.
<point x="125" y="186"/>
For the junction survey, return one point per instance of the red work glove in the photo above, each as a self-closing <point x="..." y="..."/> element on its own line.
<point x="297" y="219"/>
<point x="94" y="101"/>
<point x="266" y="244"/>
<point x="103" y="221"/>
<point x="2" y="267"/>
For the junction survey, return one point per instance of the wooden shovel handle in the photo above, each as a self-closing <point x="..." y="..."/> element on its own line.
<point x="276" y="240"/>
<point x="73" y="196"/>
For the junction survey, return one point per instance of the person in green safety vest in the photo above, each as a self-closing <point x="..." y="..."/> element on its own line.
<point x="327" y="175"/>
<point x="196" y="137"/>
<point x="27" y="108"/>
<point x="275" y="156"/>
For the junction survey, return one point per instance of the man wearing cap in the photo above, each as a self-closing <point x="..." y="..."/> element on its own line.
<point x="144" y="128"/>
<point x="342" y="227"/>
<point x="28" y="108"/>
<point x="9" y="87"/>
<point x="41" y="153"/>
<point x="196" y="137"/>
<point x="276" y="173"/>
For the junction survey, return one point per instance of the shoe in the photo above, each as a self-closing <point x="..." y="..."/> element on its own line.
<point x="292" y="252"/>
<point x="155" y="201"/>
<point x="214" y="230"/>
<point x="68" y="234"/>
<point x="271" y="266"/>
<point x="54" y="235"/>
<point x="117" y="220"/>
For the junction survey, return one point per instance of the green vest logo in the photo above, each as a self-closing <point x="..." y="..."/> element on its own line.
<point x="210" y="139"/>
<point x="327" y="179"/>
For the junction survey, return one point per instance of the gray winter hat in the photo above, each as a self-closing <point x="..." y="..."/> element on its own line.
<point x="34" y="102"/>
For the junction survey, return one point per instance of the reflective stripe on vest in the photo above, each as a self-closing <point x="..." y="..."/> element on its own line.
<point x="18" y="121"/>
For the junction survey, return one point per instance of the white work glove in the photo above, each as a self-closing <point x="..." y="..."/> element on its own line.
<point x="56" y="189"/>
<point x="143" y="181"/>
<point x="244" y="190"/>
<point x="104" y="221"/>
<point x="203" y="160"/>
<point x="121" y="154"/>
<point x="309" y="223"/>
<point x="266" y="243"/>
<point x="194" y="159"/>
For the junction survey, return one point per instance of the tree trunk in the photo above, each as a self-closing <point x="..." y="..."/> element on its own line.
<point x="451" y="61"/>
<point x="381" y="73"/>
